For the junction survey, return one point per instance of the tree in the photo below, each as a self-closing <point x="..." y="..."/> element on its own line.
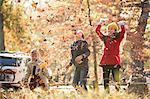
<point x="138" y="80"/>
<point x="94" y="49"/>
<point x="15" y="26"/>
<point x="2" y="46"/>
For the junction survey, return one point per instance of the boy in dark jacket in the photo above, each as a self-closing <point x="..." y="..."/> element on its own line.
<point x="79" y="58"/>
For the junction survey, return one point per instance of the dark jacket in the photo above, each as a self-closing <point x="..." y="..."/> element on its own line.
<point x="80" y="47"/>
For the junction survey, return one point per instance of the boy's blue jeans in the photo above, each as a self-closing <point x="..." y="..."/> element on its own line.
<point x="80" y="77"/>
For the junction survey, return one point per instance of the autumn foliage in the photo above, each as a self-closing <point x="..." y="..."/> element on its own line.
<point x="50" y="24"/>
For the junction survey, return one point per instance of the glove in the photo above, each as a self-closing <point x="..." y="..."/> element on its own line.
<point x="102" y="20"/>
<point x="68" y="65"/>
<point x="121" y="23"/>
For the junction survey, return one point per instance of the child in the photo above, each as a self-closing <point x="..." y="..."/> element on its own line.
<point x="79" y="58"/>
<point x="36" y="75"/>
<point x="110" y="61"/>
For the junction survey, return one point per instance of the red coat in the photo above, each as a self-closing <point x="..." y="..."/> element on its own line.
<point x="111" y="52"/>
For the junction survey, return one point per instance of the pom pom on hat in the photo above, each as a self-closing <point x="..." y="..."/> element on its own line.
<point x="79" y="31"/>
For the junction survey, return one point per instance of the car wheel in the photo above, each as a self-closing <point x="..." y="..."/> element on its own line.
<point x="9" y="75"/>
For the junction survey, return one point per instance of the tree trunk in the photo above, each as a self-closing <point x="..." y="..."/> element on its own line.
<point x="138" y="81"/>
<point x="2" y="47"/>
<point x="94" y="49"/>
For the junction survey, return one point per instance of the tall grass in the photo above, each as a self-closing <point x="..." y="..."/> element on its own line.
<point x="60" y="94"/>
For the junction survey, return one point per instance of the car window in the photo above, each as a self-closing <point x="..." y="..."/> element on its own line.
<point x="7" y="61"/>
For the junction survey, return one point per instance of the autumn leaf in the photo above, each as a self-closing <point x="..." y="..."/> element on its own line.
<point x="34" y="5"/>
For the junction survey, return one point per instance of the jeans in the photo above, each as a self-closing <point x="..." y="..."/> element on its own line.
<point x="80" y="77"/>
<point x="115" y="73"/>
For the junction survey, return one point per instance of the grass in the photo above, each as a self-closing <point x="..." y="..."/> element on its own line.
<point x="59" y="94"/>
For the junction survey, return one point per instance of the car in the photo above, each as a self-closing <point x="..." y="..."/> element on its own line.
<point x="13" y="67"/>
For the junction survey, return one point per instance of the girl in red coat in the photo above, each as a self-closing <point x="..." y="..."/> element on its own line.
<point x="110" y="61"/>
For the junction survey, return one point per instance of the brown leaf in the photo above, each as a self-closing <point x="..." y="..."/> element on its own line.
<point x="34" y="5"/>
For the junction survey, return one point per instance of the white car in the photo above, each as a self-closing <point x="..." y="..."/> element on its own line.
<point x="12" y="68"/>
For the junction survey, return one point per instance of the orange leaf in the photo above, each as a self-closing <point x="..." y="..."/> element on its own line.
<point x="34" y="5"/>
<point x="40" y="10"/>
